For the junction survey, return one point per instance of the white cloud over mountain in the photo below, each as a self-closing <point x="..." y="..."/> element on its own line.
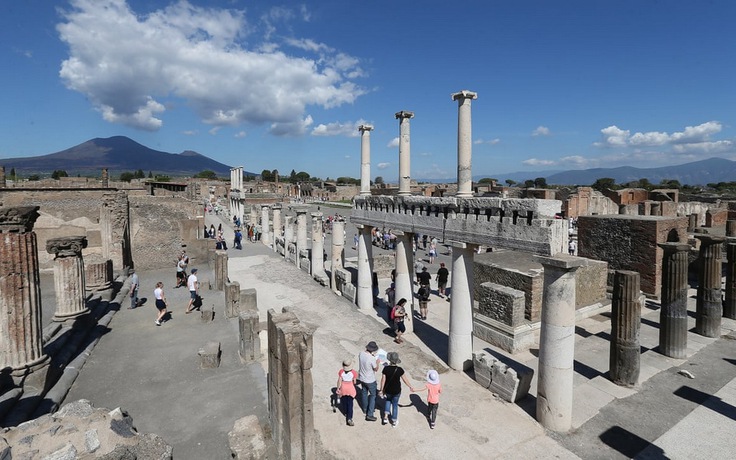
<point x="692" y="139"/>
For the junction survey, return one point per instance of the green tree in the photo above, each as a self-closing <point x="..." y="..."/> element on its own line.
<point x="126" y="177"/>
<point x="379" y="180"/>
<point x="510" y="182"/>
<point x="150" y="174"/>
<point x="206" y="174"/>
<point x="292" y="176"/>
<point x="540" y="182"/>
<point x="302" y="176"/>
<point x="487" y="180"/>
<point x="266" y="175"/>
<point x="604" y="183"/>
<point x="275" y="175"/>
<point x="528" y="183"/>
<point x="670" y="183"/>
<point x="139" y="174"/>
<point x="34" y="177"/>
<point x="12" y="173"/>
<point x="59" y="173"/>
<point x="162" y="178"/>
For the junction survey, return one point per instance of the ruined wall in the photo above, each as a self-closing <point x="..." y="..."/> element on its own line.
<point x="531" y="283"/>
<point x="716" y="217"/>
<point x="588" y="201"/>
<point x="630" y="243"/>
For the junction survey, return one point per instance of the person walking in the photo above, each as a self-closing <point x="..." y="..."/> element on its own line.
<point x="181" y="272"/>
<point x="423" y="295"/>
<point x="434" y="388"/>
<point x="368" y="364"/>
<point x="423" y="277"/>
<point x="432" y="251"/>
<point x="418" y="267"/>
<point x="442" y="275"/>
<point x="346" y="378"/>
<point x="161" y="302"/>
<point x="398" y="316"/>
<point x="193" y="285"/>
<point x="134" y="285"/>
<point x="572" y="247"/>
<point x="391" y="380"/>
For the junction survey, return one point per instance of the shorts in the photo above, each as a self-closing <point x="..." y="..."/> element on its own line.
<point x="432" y="253"/>
<point x="160" y="304"/>
<point x="399" y="326"/>
<point x="442" y="285"/>
<point x="193" y="295"/>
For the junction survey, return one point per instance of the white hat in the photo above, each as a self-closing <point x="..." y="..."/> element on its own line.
<point x="433" y="377"/>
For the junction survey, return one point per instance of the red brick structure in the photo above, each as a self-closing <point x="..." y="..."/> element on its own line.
<point x="716" y="217"/>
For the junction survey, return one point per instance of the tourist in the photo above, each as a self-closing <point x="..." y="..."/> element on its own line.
<point x="432" y="251"/>
<point x="193" y="285"/>
<point x="205" y="233"/>
<point x="442" y="275"/>
<point x="221" y="238"/>
<point x="572" y="247"/>
<point x="181" y="272"/>
<point x="424" y="278"/>
<point x="346" y="379"/>
<point x="368" y="365"/>
<point x="161" y="302"/>
<point x="434" y="388"/>
<point x="391" y="294"/>
<point x="423" y="295"/>
<point x="212" y="231"/>
<point x="391" y="388"/>
<point x="418" y="267"/>
<point x="134" y="285"/>
<point x="398" y="316"/>
<point x="237" y="239"/>
<point x="355" y="242"/>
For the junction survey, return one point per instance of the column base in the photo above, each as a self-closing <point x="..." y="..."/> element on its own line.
<point x="63" y="317"/>
<point x="30" y="368"/>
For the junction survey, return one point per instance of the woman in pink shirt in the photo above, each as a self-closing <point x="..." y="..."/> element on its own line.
<point x="346" y="378"/>
<point x="434" y="388"/>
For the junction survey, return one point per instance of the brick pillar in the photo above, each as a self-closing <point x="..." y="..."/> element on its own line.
<point x="69" y="281"/>
<point x="318" y="245"/>
<point x="21" y="347"/>
<point x="625" y="354"/>
<point x="265" y="226"/>
<point x="221" y="275"/>
<point x="301" y="232"/>
<point x="729" y="305"/>
<point x="673" y="314"/>
<point x="709" y="303"/>
<point x="232" y="299"/>
<point x="290" y="386"/>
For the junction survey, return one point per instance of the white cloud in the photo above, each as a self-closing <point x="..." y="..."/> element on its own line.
<point x="704" y="147"/>
<point x="383" y="165"/>
<point x="482" y="141"/>
<point x="349" y="129"/>
<point x="613" y="136"/>
<point x="129" y="65"/>
<point x="538" y="162"/>
<point x="575" y="160"/>
<point x="393" y="143"/>
<point x="190" y="132"/>
<point x="240" y="134"/>
<point x="214" y="130"/>
<point x="541" y="131"/>
<point x="295" y="128"/>
<point x="695" y="136"/>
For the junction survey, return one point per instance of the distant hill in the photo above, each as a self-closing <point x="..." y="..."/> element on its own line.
<point x="118" y="154"/>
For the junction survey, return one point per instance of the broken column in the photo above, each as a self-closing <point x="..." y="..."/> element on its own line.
<point x="276" y="222"/>
<point x="365" y="159"/>
<point x="464" y="143"/>
<point x="404" y="152"/>
<point x="69" y="281"/>
<point x="21" y="347"/>
<point x="265" y="226"/>
<point x="731" y="228"/>
<point x="365" y="269"/>
<point x="250" y="342"/>
<point x="338" y="246"/>
<point x="729" y="305"/>
<point x="692" y="222"/>
<point x="290" y="386"/>
<point x="221" y="275"/>
<point x="232" y="299"/>
<point x="105" y="178"/>
<point x="97" y="274"/>
<point x="115" y="229"/>
<point x="404" y="284"/>
<point x="557" y="342"/>
<point x="673" y="314"/>
<point x="709" y="306"/>
<point x="318" y="245"/>
<point x="301" y="232"/>
<point x="460" y="345"/>
<point x="625" y="356"/>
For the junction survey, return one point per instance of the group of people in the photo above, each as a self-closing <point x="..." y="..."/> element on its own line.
<point x="392" y="375"/>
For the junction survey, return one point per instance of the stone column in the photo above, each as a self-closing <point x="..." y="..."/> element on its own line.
<point x="460" y="345"/>
<point x="404" y="153"/>
<point x="365" y="269"/>
<point x="692" y="222"/>
<point x="318" y="245"/>
<point x="105" y="178"/>
<point x="301" y="232"/>
<point x="253" y="215"/>
<point x="731" y="228"/>
<point x="221" y="275"/>
<point x="265" y="226"/>
<point x="276" y="222"/>
<point x="625" y="356"/>
<point x="709" y="307"/>
<point x="250" y="342"/>
<point x="338" y="248"/>
<point x="557" y="342"/>
<point x="115" y="229"/>
<point x="404" y="279"/>
<point x="656" y="209"/>
<point x="729" y="306"/>
<point x="97" y="275"/>
<point x="21" y="347"/>
<point x="365" y="159"/>
<point x="69" y="278"/>
<point x="3" y="184"/>
<point x="673" y="314"/>
<point x="464" y="143"/>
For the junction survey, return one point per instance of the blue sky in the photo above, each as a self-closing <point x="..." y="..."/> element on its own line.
<point x="265" y="85"/>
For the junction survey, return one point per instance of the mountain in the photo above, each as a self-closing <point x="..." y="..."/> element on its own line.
<point x="118" y="154"/>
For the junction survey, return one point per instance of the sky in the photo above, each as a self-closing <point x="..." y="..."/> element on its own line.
<point x="266" y="85"/>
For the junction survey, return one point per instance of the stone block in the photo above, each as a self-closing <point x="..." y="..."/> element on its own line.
<point x="207" y="315"/>
<point x="482" y="370"/>
<point x="232" y="299"/>
<point x="209" y="355"/>
<point x="247" y="439"/>
<point x="501" y="303"/>
<point x="508" y="338"/>
<point x="250" y="342"/>
<point x="510" y="382"/>
<point x="248" y="299"/>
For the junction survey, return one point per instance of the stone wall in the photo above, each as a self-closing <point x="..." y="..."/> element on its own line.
<point x="587" y="201"/>
<point x="630" y="243"/>
<point x="716" y="217"/>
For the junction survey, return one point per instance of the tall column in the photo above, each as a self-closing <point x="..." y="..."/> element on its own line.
<point x="460" y="345"/>
<point x="301" y="232"/>
<point x="403" y="283"/>
<point x="365" y="269"/>
<point x="265" y="226"/>
<point x="709" y="306"/>
<point x="673" y="314"/>
<point x="464" y="143"/>
<point x="318" y="245"/>
<point x="729" y="306"/>
<point x="338" y="248"/>
<point x="69" y="280"/>
<point x="21" y="347"/>
<point x="288" y="230"/>
<point x="404" y="152"/>
<point x="253" y="215"/>
<point x="557" y="342"/>
<point x="625" y="355"/>
<point x="277" y="227"/>
<point x="365" y="159"/>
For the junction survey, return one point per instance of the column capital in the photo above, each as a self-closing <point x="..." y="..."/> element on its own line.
<point x="710" y="239"/>
<point x="365" y="128"/>
<point x="317" y="215"/>
<point x="562" y="261"/>
<point x="19" y="219"/>
<point x="276" y="206"/>
<point x="464" y="94"/>
<point x="674" y="247"/>
<point x="404" y="114"/>
<point x="300" y="209"/>
<point x="265" y="206"/>
<point x="66" y="246"/>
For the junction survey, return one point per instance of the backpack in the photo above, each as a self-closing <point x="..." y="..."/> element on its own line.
<point x="423" y="293"/>
<point x="392" y="315"/>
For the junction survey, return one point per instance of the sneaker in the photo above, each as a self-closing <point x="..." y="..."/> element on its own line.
<point x="394" y="423"/>
<point x="431" y="425"/>
<point x="158" y="323"/>
<point x="370" y="418"/>
<point x="384" y="421"/>
<point x="350" y="422"/>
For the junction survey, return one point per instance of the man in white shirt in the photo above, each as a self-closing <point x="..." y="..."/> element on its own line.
<point x="368" y="366"/>
<point x="193" y="285"/>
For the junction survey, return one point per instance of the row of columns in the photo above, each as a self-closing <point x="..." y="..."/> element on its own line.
<point x="236" y="185"/>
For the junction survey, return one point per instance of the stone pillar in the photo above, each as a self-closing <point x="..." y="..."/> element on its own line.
<point x="232" y="299"/>
<point x="68" y="276"/>
<point x="115" y="229"/>
<point x="557" y="342"/>
<point x="404" y="276"/>
<point x="265" y="226"/>
<point x="731" y="228"/>
<point x="673" y="314"/>
<point x="460" y="345"/>
<point x="692" y="222"/>
<point x="276" y="222"/>
<point x="404" y="153"/>
<point x="105" y="178"/>
<point x="464" y="143"/>
<point x="250" y="342"/>
<point x="301" y="232"/>
<point x="365" y="159"/>
<point x="21" y="347"/>
<point x="338" y="246"/>
<point x="221" y="275"/>
<point x="625" y="356"/>
<point x="365" y="269"/>
<point x="318" y="245"/>
<point x="288" y="230"/>
<point x="729" y="305"/>
<point x="709" y="307"/>
<point x="290" y="386"/>
<point x="3" y="184"/>
<point x="656" y="208"/>
<point x="97" y="275"/>
<point x="253" y="215"/>
<point x="622" y="209"/>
